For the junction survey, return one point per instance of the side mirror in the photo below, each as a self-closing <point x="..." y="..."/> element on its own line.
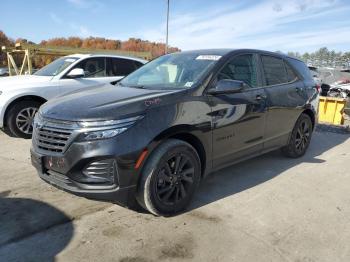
<point x="227" y="86"/>
<point x="76" y="73"/>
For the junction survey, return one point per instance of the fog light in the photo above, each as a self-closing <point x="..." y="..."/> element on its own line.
<point x="103" y="171"/>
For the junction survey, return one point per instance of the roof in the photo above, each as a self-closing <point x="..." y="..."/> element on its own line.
<point x="80" y="56"/>
<point x="226" y="51"/>
<point x="220" y="52"/>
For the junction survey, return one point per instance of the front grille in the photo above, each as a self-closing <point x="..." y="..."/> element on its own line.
<point x="52" y="140"/>
<point x="52" y="136"/>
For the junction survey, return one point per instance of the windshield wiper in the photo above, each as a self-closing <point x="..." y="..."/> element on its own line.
<point x="137" y="86"/>
<point x="132" y="86"/>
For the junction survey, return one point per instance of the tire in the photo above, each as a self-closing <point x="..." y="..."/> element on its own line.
<point x="164" y="189"/>
<point x="300" y="138"/>
<point x="19" y="119"/>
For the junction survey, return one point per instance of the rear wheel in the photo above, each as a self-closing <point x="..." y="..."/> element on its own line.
<point x="169" y="178"/>
<point x="20" y="118"/>
<point x="300" y="138"/>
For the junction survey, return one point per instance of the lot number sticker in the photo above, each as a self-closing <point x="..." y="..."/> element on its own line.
<point x="208" y="57"/>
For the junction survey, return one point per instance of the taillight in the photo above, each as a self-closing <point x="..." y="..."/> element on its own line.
<point x="318" y="87"/>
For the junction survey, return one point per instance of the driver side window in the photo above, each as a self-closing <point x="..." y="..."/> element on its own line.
<point x="93" y="67"/>
<point x="243" y="68"/>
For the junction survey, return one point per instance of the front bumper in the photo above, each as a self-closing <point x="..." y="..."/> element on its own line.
<point x="123" y="196"/>
<point x="66" y="172"/>
<point x="2" y="114"/>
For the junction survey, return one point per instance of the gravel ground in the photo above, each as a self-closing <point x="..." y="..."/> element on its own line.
<point x="269" y="208"/>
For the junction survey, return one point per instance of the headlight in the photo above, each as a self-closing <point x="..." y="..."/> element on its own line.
<point x="108" y="123"/>
<point x="95" y="135"/>
<point x="106" y="129"/>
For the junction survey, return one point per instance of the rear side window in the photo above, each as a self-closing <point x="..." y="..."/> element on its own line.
<point x="120" y="66"/>
<point x="138" y="64"/>
<point x="291" y="74"/>
<point x="243" y="68"/>
<point x="274" y="70"/>
<point x="301" y="68"/>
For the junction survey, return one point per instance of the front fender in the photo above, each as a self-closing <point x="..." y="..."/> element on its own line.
<point x="7" y="100"/>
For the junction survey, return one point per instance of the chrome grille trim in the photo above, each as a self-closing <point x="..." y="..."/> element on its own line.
<point x="53" y="135"/>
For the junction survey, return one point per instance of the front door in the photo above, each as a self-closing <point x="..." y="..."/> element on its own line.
<point x="239" y="118"/>
<point x="95" y="75"/>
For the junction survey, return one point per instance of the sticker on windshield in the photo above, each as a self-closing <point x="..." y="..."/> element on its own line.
<point x="188" y="84"/>
<point x="208" y="57"/>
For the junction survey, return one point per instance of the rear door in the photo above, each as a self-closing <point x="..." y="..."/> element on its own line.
<point x="238" y="119"/>
<point x="285" y="99"/>
<point x="117" y="68"/>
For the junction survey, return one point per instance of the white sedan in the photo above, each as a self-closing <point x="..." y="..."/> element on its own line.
<point x="21" y="96"/>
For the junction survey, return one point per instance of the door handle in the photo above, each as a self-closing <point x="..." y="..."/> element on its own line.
<point x="260" y="97"/>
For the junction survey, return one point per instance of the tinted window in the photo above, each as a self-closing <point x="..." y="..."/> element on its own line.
<point x="241" y="68"/>
<point x="138" y="64"/>
<point x="291" y="74"/>
<point x="274" y="70"/>
<point x="120" y="67"/>
<point x="93" y="67"/>
<point x="301" y="67"/>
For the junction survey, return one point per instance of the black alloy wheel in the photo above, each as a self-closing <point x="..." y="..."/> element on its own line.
<point x="174" y="179"/>
<point x="300" y="137"/>
<point x="169" y="178"/>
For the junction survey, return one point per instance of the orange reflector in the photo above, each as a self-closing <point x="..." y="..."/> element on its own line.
<point x="141" y="158"/>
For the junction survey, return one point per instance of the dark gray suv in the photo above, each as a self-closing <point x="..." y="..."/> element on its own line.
<point x="151" y="138"/>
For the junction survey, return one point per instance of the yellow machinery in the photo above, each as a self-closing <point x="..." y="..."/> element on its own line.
<point x="28" y="51"/>
<point x="331" y="110"/>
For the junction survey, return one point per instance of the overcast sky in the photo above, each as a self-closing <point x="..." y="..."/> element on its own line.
<point x="289" y="25"/>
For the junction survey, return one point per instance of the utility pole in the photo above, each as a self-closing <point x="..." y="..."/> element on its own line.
<point x="167" y="27"/>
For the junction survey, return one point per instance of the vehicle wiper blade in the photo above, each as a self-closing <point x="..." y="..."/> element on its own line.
<point x="137" y="86"/>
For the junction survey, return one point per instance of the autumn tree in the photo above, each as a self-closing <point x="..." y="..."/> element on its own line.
<point x="4" y="41"/>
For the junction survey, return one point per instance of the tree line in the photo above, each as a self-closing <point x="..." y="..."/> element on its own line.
<point x="321" y="57"/>
<point x="132" y="44"/>
<point x="324" y="58"/>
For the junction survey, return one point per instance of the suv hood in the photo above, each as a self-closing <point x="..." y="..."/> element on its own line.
<point x="10" y="82"/>
<point x="106" y="102"/>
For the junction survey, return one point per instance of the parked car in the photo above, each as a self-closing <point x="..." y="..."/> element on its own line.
<point x="21" y="96"/>
<point x="4" y="71"/>
<point x="171" y="123"/>
<point x="340" y="89"/>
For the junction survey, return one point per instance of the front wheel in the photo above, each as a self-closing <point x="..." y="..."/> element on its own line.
<point x="300" y="138"/>
<point x="20" y="119"/>
<point x="169" y="178"/>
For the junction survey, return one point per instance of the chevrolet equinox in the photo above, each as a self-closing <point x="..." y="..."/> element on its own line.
<point x="151" y="138"/>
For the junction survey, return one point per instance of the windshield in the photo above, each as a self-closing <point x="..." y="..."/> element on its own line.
<point x="56" y="66"/>
<point x="179" y="70"/>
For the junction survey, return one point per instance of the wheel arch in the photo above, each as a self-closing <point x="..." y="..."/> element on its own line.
<point x="184" y="133"/>
<point x="311" y="114"/>
<point x="20" y="99"/>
